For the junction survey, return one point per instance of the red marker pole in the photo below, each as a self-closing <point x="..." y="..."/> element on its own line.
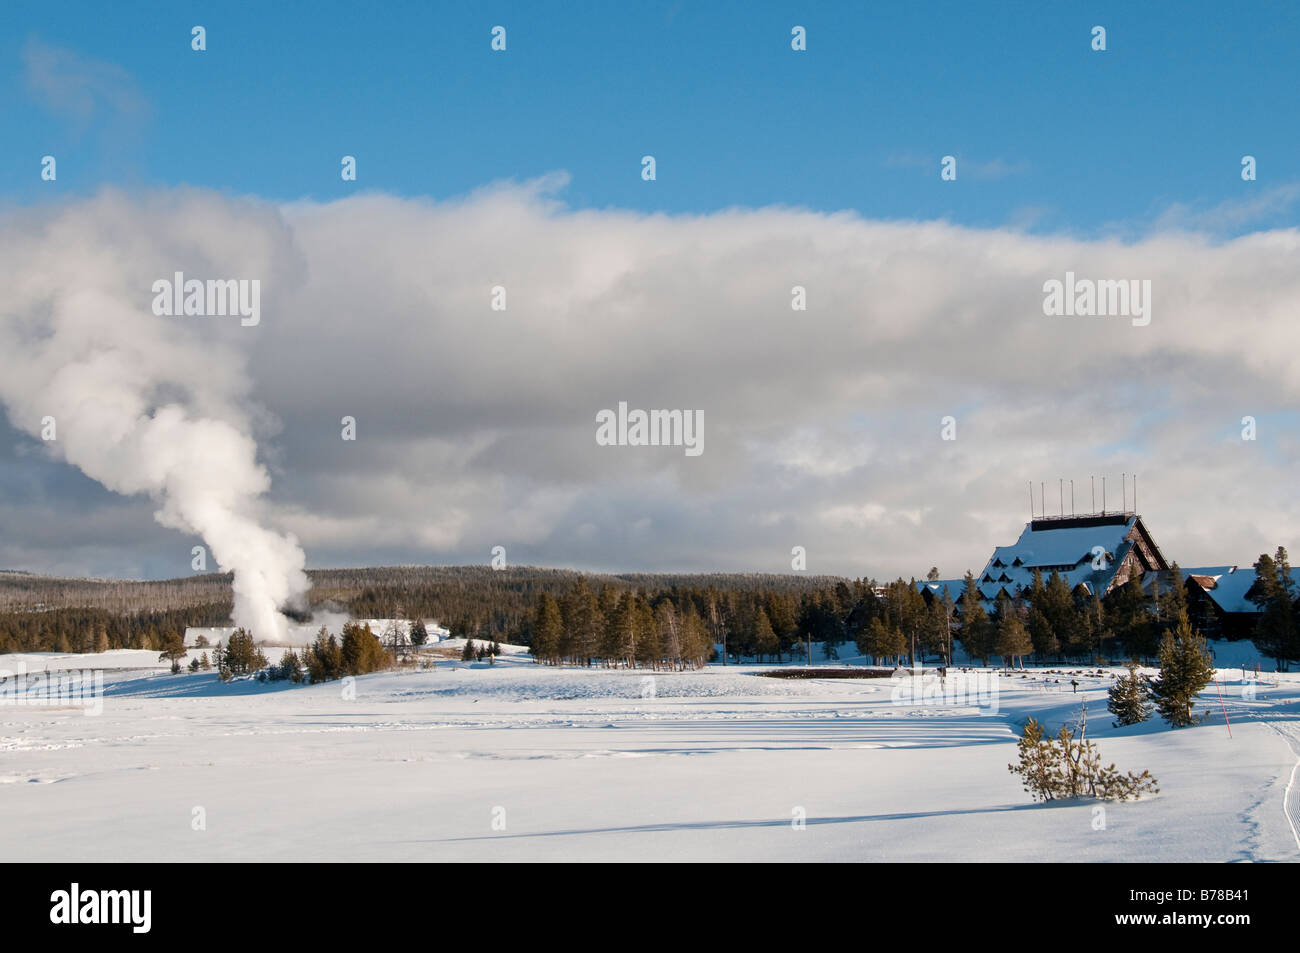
<point x="1221" y="705"/>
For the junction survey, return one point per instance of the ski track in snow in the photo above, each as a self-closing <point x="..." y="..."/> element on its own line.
<point x="1290" y="796"/>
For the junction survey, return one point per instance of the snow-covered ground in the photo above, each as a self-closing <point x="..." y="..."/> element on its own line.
<point x="518" y="761"/>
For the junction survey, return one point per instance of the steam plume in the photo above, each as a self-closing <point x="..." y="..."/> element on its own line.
<point x="147" y="404"/>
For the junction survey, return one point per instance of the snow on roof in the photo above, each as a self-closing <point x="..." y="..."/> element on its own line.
<point x="1068" y="549"/>
<point x="1208" y="572"/>
<point x="1230" y="588"/>
<point x="1229" y="591"/>
<point x="955" y="587"/>
<point x="1046" y="546"/>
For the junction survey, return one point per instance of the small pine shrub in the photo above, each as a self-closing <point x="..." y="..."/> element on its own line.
<point x="1070" y="767"/>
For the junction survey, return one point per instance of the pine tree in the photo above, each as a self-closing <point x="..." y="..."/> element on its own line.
<point x="669" y="628"/>
<point x="419" y="633"/>
<point x="241" y="655"/>
<point x="1100" y="633"/>
<point x="781" y="613"/>
<point x="1130" y="618"/>
<point x="1068" y="624"/>
<point x="1171" y="605"/>
<point x="467" y="653"/>
<point x="548" y="629"/>
<point x="1276" y="632"/>
<point x="948" y="608"/>
<point x="324" y="659"/>
<point x="173" y="650"/>
<point x="1129" y="698"/>
<point x="1068" y="767"/>
<point x="884" y="640"/>
<point x="289" y="669"/>
<point x="648" y="649"/>
<point x="361" y="650"/>
<point x="697" y="644"/>
<point x="976" y="630"/>
<point x="1185" y="669"/>
<point x="1013" y="639"/>
<point x="621" y="646"/>
<point x="1040" y="628"/>
<point x="1037" y="762"/>
<point x="765" y="640"/>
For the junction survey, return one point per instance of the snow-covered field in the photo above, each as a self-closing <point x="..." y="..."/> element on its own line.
<point x="520" y="762"/>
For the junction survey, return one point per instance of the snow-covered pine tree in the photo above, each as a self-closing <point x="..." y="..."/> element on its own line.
<point x="1130" y="698"/>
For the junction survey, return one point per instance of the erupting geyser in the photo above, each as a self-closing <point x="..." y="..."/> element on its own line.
<point x="147" y="404"/>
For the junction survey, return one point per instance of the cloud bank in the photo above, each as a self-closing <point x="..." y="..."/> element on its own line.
<point x="476" y="428"/>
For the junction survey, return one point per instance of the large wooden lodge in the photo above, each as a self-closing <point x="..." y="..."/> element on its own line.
<point x="1095" y="554"/>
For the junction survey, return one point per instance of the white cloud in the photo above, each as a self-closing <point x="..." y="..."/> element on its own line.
<point x="476" y="428"/>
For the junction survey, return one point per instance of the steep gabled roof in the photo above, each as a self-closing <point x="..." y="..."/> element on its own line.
<point x="1070" y="546"/>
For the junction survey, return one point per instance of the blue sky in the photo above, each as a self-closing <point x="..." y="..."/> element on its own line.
<point x="823" y="426"/>
<point x="1050" y="135"/>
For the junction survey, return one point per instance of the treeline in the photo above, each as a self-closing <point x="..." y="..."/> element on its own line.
<point x="98" y="630"/>
<point x="40" y="614"/>
<point x="892" y="623"/>
<point x="1048" y="621"/>
<point x="621" y="619"/>
<point x="677" y="626"/>
<point x="21" y="591"/>
<point x="493" y="605"/>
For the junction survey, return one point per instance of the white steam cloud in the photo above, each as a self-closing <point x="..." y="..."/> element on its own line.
<point x="146" y="404"/>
